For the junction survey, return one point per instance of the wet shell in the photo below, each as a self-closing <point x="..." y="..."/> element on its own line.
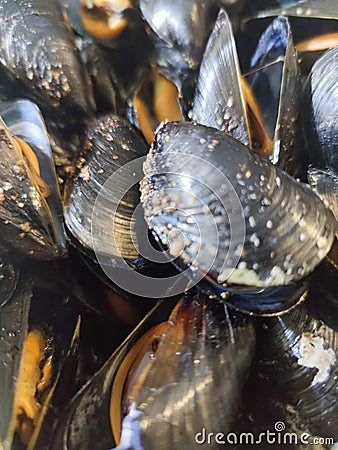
<point x="275" y="81"/>
<point x="28" y="321"/>
<point x="112" y="142"/>
<point x="203" y="352"/>
<point x="298" y="354"/>
<point x="325" y="184"/>
<point x="30" y="209"/>
<point x="321" y="100"/>
<point x="44" y="66"/>
<point x="181" y="31"/>
<point x="305" y="8"/>
<point x="227" y="212"/>
<point x="218" y="100"/>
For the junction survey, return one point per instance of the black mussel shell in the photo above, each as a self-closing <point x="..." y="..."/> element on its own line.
<point x="30" y="207"/>
<point x="40" y="60"/>
<point x="202" y="348"/>
<point x="225" y="211"/>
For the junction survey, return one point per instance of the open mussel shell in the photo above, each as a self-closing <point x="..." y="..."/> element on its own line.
<point x="114" y="76"/>
<point x="181" y="31"/>
<point x="45" y="67"/>
<point x="30" y="207"/>
<point x="298" y="356"/>
<point x="227" y="212"/>
<point x="35" y="346"/>
<point x="275" y="82"/>
<point x="14" y="328"/>
<point x="321" y="122"/>
<point x="101" y="200"/>
<point x="162" y="378"/>
<point x="218" y="100"/>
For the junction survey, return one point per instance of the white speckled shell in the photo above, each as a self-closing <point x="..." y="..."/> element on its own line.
<point x="287" y="228"/>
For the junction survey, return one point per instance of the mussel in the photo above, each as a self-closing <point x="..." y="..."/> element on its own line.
<point x="180" y="35"/>
<point x="158" y="384"/>
<point x="229" y="213"/>
<point x="39" y="60"/>
<point x="112" y="142"/>
<point x="34" y="351"/>
<point x="298" y="356"/>
<point x="239" y="104"/>
<point x="30" y="209"/>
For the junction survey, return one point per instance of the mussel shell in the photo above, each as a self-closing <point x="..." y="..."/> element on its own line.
<point x="88" y="411"/>
<point x="29" y="222"/>
<point x="218" y="100"/>
<point x="39" y="54"/>
<point x="275" y="80"/>
<point x="111" y="143"/>
<point x="325" y="184"/>
<point x="14" y="327"/>
<point x="298" y="353"/>
<point x="205" y="353"/>
<point x="181" y="31"/>
<point x="321" y="121"/>
<point x="273" y="301"/>
<point x="25" y="121"/>
<point x="237" y="217"/>
<point x="216" y="351"/>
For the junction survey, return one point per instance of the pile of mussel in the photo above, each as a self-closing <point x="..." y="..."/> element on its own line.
<point x="168" y="218"/>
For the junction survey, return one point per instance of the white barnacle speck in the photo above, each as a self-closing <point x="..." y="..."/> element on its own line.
<point x="232" y="127"/>
<point x="302" y="237"/>
<point x="252" y="221"/>
<point x="25" y="227"/>
<point x="230" y="102"/>
<point x="240" y="275"/>
<point x="314" y="355"/>
<point x="7" y="186"/>
<point x="321" y="242"/>
<point x="255" y="240"/>
<point x="219" y="121"/>
<point x="202" y="141"/>
<point x="278" y="182"/>
<point x="269" y="224"/>
<point x="247" y="174"/>
<point x="227" y="115"/>
<point x="176" y="245"/>
<point x="29" y="74"/>
<point x="277" y="277"/>
<point x="242" y="265"/>
<point x="320" y="254"/>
